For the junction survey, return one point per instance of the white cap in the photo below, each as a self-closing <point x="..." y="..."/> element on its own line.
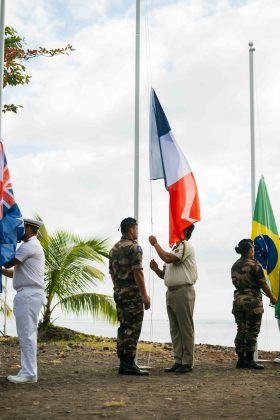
<point x="34" y="223"/>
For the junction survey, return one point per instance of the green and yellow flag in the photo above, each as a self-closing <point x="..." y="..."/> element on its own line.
<point x="266" y="240"/>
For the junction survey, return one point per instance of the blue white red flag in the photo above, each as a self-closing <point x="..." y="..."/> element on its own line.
<point x="167" y="161"/>
<point x="11" y="221"/>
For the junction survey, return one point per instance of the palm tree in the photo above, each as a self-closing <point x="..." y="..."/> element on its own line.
<point x="2" y="307"/>
<point x="70" y="272"/>
<point x="8" y="308"/>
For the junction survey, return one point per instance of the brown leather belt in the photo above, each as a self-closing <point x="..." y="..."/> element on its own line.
<point x="174" y="288"/>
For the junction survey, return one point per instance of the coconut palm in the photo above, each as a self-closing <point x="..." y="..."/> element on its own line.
<point x="2" y="308"/>
<point x="70" y="273"/>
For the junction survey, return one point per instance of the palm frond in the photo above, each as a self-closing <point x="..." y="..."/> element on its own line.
<point x="8" y="308"/>
<point x="70" y="272"/>
<point x="100" y="246"/>
<point x="82" y="251"/>
<point x="43" y="230"/>
<point x="97" y="305"/>
<point x="75" y="278"/>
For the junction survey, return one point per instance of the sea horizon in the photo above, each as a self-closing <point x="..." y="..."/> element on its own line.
<point x="212" y="331"/>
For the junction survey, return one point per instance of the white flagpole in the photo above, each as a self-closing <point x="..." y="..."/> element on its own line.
<point x="5" y="308"/>
<point x="136" y="129"/>
<point x="2" y="40"/>
<point x="252" y="124"/>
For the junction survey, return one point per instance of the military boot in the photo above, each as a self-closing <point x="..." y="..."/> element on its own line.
<point x="249" y="362"/>
<point x="240" y="361"/>
<point x="173" y="368"/>
<point x="121" y="365"/>
<point x="130" y="368"/>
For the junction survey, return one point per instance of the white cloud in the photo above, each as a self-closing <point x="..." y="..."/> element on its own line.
<point x="78" y="112"/>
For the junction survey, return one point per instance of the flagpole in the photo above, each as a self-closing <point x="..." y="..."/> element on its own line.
<point x="2" y="40"/>
<point x="5" y="308"/>
<point x="136" y="128"/>
<point x="252" y="124"/>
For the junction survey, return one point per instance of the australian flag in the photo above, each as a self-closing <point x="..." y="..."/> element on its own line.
<point x="11" y="221"/>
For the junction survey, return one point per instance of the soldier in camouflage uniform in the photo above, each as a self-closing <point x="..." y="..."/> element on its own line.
<point x="248" y="278"/>
<point x="125" y="265"/>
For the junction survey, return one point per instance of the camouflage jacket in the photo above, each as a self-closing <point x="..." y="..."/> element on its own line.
<point x="124" y="257"/>
<point x="247" y="275"/>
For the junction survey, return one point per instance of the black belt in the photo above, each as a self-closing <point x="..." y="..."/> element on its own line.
<point x="174" y="288"/>
<point x="249" y="289"/>
<point x="125" y="283"/>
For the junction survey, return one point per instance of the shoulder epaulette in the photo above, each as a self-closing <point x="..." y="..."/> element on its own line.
<point x="184" y="251"/>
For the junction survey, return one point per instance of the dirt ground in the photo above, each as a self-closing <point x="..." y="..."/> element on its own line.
<point x="80" y="381"/>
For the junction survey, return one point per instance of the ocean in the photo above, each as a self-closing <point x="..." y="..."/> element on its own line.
<point x="206" y="331"/>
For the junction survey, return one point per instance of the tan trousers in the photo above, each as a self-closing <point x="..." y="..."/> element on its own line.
<point x="180" y="306"/>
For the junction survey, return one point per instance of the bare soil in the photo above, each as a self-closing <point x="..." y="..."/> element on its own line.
<point x="79" y="380"/>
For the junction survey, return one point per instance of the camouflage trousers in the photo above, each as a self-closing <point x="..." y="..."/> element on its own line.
<point x="130" y="315"/>
<point x="247" y="311"/>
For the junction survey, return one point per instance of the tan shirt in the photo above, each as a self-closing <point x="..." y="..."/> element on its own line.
<point x="183" y="271"/>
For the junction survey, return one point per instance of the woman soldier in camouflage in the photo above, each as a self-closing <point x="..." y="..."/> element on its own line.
<point x="248" y="278"/>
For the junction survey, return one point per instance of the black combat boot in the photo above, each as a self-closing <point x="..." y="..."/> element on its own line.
<point x="129" y="367"/>
<point x="173" y="368"/>
<point x="121" y="365"/>
<point x="240" y="361"/>
<point x="184" y="369"/>
<point x="249" y="362"/>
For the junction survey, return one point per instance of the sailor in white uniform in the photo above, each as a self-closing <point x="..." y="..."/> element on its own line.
<point x="28" y="281"/>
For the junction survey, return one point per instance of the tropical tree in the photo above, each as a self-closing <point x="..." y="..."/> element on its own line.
<point x="2" y="307"/>
<point x="70" y="274"/>
<point x="15" y="57"/>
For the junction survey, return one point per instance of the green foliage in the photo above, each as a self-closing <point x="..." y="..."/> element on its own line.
<point x="8" y="308"/>
<point x="70" y="273"/>
<point x="11" y="108"/>
<point x="14" y="57"/>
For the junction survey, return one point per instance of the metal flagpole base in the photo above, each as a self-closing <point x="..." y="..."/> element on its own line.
<point x="141" y="367"/>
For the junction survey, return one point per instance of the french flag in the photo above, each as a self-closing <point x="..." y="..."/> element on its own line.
<point x="168" y="162"/>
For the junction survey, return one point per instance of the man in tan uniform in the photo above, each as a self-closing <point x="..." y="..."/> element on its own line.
<point x="180" y="274"/>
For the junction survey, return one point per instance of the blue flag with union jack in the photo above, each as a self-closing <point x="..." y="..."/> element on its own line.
<point x="11" y="221"/>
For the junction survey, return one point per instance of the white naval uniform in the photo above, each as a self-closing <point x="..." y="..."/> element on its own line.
<point x="28" y="281"/>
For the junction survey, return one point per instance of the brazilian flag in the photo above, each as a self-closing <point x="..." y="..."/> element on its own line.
<point x="266" y="240"/>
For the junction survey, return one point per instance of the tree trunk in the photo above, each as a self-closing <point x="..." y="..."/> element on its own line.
<point x="47" y="313"/>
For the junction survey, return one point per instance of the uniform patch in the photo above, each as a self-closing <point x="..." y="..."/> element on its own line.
<point x="138" y="248"/>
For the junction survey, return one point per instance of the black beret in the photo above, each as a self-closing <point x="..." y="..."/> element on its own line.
<point x="128" y="221"/>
